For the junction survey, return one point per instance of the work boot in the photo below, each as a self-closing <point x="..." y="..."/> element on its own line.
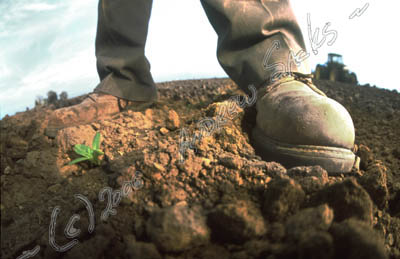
<point x="297" y="125"/>
<point x="94" y="107"/>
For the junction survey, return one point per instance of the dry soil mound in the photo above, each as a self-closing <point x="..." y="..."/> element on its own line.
<point x="218" y="201"/>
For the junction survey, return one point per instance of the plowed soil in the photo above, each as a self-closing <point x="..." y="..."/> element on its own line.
<point x="218" y="200"/>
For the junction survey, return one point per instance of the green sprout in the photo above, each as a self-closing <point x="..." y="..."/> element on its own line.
<point x="89" y="153"/>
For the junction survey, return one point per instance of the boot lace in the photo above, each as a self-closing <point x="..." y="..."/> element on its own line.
<point x="290" y="76"/>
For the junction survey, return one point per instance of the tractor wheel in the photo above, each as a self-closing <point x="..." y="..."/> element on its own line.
<point x="353" y="78"/>
<point x="317" y="73"/>
<point x="333" y="75"/>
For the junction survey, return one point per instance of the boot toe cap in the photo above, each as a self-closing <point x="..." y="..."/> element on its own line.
<point x="307" y="119"/>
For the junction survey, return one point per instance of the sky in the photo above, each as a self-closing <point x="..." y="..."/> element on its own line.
<point x="49" y="44"/>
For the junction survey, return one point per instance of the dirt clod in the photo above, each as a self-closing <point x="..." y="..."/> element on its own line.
<point x="356" y="239"/>
<point x="347" y="199"/>
<point x="282" y="198"/>
<point x="237" y="222"/>
<point x="177" y="228"/>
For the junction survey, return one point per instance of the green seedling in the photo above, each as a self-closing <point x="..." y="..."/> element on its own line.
<point x="89" y="153"/>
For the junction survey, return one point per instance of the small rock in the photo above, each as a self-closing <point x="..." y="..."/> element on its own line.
<point x="164" y="131"/>
<point x="164" y="159"/>
<point x="177" y="228"/>
<point x="67" y="138"/>
<point x="317" y="171"/>
<point x="173" y="120"/>
<point x="236" y="222"/>
<point x="274" y="169"/>
<point x="206" y="163"/>
<point x="159" y="167"/>
<point x="311" y="178"/>
<point x="282" y="198"/>
<point x="179" y="195"/>
<point x="231" y="162"/>
<point x="156" y="176"/>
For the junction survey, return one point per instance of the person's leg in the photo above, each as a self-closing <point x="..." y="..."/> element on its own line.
<point x="122" y="66"/>
<point x="123" y="69"/>
<point x="246" y="32"/>
<point x="296" y="123"/>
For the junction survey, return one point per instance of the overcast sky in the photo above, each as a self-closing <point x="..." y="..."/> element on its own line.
<point x="49" y="44"/>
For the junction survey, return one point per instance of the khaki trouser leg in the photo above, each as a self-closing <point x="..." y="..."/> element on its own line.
<point x="123" y="68"/>
<point x="247" y="30"/>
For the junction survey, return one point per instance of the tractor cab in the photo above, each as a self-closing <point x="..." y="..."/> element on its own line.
<point x="335" y="58"/>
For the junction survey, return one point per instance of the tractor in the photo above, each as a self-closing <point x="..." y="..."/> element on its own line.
<point x="335" y="70"/>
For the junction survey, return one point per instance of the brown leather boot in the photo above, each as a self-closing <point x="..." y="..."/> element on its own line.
<point x="298" y="125"/>
<point x="94" y="107"/>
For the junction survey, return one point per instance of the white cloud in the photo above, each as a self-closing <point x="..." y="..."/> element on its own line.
<point x="46" y="45"/>
<point x="38" y="7"/>
<point x="4" y="71"/>
<point x="73" y="75"/>
<point x="78" y="67"/>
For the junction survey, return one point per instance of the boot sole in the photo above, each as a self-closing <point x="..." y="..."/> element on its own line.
<point x="332" y="159"/>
